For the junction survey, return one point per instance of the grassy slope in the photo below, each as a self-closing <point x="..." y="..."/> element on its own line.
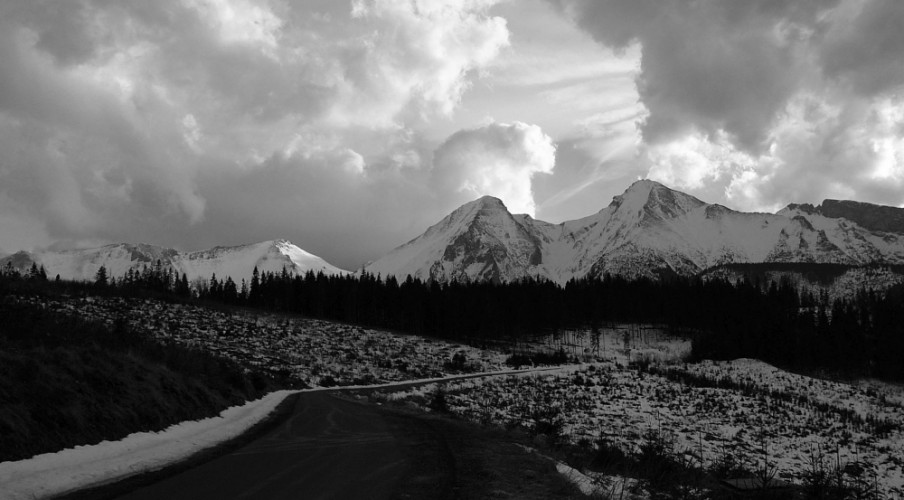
<point x="67" y="382"/>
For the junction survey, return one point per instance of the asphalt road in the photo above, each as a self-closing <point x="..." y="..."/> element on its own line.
<point x="329" y="447"/>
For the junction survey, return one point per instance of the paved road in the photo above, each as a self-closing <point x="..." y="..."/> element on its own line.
<point x="328" y="447"/>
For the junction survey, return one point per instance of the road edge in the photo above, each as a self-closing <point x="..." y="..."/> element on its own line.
<point x="122" y="485"/>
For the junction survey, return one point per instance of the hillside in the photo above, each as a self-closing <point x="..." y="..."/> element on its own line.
<point x="68" y="381"/>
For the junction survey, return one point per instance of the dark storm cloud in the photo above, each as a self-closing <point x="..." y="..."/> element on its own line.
<point x="765" y="102"/>
<point x="868" y="51"/>
<point x="708" y="65"/>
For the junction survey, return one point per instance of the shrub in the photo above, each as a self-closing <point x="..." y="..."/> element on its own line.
<point x="438" y="401"/>
<point x="538" y="358"/>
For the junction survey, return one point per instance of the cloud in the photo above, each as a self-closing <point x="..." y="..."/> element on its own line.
<point x="866" y="46"/>
<point x="162" y="121"/>
<point x="707" y="66"/>
<point x="826" y="150"/>
<point x="819" y="149"/>
<point x="336" y="203"/>
<point x="420" y="52"/>
<point x="760" y="103"/>
<point x="74" y="154"/>
<point x="497" y="159"/>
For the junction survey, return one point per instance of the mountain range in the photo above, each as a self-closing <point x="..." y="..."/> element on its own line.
<point x="648" y="231"/>
<point x="235" y="261"/>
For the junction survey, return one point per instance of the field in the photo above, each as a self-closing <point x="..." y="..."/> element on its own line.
<point x="307" y="351"/>
<point x="766" y="419"/>
<point x="634" y="384"/>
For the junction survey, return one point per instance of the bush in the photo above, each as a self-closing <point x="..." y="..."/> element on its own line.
<point x="439" y="401"/>
<point x="457" y="363"/>
<point x="538" y="358"/>
<point x="609" y="457"/>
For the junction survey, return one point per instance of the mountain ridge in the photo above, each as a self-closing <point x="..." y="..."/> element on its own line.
<point x="237" y="262"/>
<point x="650" y="230"/>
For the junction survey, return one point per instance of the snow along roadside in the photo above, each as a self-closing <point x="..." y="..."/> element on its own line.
<point x="574" y="476"/>
<point x="65" y="471"/>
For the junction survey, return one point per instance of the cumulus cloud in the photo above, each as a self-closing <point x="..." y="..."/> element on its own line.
<point x="160" y="121"/>
<point x="497" y="159"/>
<point x="695" y="161"/>
<point x="759" y="103"/>
<point x="818" y="149"/>
<point x="707" y="66"/>
<point x="420" y="50"/>
<point x="73" y="153"/>
<point x="825" y="150"/>
<point x="367" y="207"/>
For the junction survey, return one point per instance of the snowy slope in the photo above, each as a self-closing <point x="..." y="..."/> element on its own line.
<point x="648" y="231"/>
<point x="240" y="261"/>
<point x="84" y="263"/>
<point x="237" y="262"/>
<point x="652" y="228"/>
<point x="480" y="241"/>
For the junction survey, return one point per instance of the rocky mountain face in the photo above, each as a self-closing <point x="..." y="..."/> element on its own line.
<point x="648" y="231"/>
<point x="479" y="241"/>
<point x="237" y="261"/>
<point x="873" y="217"/>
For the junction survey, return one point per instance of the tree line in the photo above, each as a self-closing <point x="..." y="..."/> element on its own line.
<point x="771" y="321"/>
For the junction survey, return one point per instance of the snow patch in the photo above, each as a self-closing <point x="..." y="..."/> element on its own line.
<point x="56" y="473"/>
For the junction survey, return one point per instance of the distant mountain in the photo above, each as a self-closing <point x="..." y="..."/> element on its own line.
<point x="837" y="281"/>
<point x="479" y="241"/>
<point x="873" y="217"/>
<point x="237" y="261"/>
<point x="648" y="231"/>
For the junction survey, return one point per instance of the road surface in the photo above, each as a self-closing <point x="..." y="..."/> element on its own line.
<point x="318" y="445"/>
<point x="328" y="447"/>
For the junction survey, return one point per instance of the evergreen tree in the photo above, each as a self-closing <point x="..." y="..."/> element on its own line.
<point x="34" y="273"/>
<point x="254" y="290"/>
<point x="100" y="277"/>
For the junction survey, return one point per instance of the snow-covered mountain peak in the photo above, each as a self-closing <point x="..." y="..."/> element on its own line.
<point x="237" y="262"/>
<point x="486" y="206"/>
<point x="480" y="240"/>
<point x="649" y="230"/>
<point x="652" y="199"/>
<point x="488" y="202"/>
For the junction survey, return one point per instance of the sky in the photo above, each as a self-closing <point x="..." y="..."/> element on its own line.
<point x="350" y="126"/>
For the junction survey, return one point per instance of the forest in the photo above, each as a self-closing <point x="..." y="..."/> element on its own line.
<point x="749" y="318"/>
